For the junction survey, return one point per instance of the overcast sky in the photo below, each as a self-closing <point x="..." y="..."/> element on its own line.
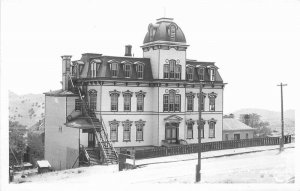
<point x="255" y="43"/>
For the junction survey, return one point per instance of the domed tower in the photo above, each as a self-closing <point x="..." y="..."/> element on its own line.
<point x="165" y="45"/>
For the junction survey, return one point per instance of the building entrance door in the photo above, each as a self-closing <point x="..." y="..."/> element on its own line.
<point x="171" y="134"/>
<point x="91" y="140"/>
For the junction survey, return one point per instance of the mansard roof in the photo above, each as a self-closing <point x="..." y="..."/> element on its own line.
<point x="207" y="65"/>
<point x="104" y="62"/>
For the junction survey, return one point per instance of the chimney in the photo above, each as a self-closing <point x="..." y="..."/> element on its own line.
<point x="128" y="50"/>
<point x="66" y="64"/>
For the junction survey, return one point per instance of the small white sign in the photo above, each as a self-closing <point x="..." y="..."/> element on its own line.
<point x="130" y="161"/>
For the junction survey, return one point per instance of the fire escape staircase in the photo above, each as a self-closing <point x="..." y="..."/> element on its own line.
<point x="108" y="154"/>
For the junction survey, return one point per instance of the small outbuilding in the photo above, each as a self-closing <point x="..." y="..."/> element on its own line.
<point x="43" y="166"/>
<point x="233" y="129"/>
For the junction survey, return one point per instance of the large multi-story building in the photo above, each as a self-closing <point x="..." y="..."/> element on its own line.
<point x="138" y="102"/>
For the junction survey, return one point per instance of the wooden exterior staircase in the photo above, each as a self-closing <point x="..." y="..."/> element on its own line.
<point x="108" y="154"/>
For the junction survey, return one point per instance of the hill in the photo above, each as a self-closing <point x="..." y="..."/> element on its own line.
<point x="26" y="109"/>
<point x="273" y="117"/>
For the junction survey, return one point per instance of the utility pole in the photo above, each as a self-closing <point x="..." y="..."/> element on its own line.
<point x="282" y="119"/>
<point x="198" y="166"/>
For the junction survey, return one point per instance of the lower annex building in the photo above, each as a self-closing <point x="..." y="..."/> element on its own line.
<point x="138" y="102"/>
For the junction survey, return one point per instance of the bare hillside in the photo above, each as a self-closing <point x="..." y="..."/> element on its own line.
<point x="26" y="109"/>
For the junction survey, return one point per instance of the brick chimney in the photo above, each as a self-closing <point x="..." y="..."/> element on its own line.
<point x="66" y="64"/>
<point x="128" y="50"/>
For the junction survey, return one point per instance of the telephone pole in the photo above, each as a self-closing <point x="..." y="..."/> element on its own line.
<point x="198" y="166"/>
<point x="282" y="119"/>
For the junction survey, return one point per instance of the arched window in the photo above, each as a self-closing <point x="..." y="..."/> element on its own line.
<point x="114" y="69"/>
<point x="201" y="127"/>
<point x="178" y="72"/>
<point x="114" y="130"/>
<point x="166" y="70"/>
<point x="172" y="70"/>
<point x="212" y="101"/>
<point x="202" y="104"/>
<point x="190" y="125"/>
<point x="190" y="101"/>
<point x="201" y="73"/>
<point x="93" y="100"/>
<point x="126" y="130"/>
<point x="140" y="71"/>
<point x="171" y="101"/>
<point x="140" y="100"/>
<point x="172" y="32"/>
<point x="127" y="100"/>
<point x="212" y="128"/>
<point x="189" y="72"/>
<point x="212" y="74"/>
<point x="139" y="129"/>
<point x="127" y="69"/>
<point x="114" y="98"/>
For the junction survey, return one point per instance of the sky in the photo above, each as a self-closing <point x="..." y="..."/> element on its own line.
<point x="255" y="43"/>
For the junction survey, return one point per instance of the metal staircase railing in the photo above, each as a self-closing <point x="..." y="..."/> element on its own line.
<point x="99" y="137"/>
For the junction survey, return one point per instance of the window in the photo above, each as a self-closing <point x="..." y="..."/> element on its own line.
<point x="202" y="104"/>
<point x="190" y="130"/>
<point x="172" y="32"/>
<point x="212" y="74"/>
<point x="226" y="137"/>
<point x="189" y="72"/>
<point x="166" y="71"/>
<point x="77" y="105"/>
<point x="178" y="72"/>
<point x="114" y="130"/>
<point x="212" y="101"/>
<point x="93" y="69"/>
<point x="140" y="100"/>
<point x="172" y="70"/>
<point x="201" y="73"/>
<point x="126" y="130"/>
<point x="139" y="129"/>
<point x="127" y="69"/>
<point x="247" y="137"/>
<point x="190" y="101"/>
<point x="114" y="69"/>
<point x="171" y="101"/>
<point x="127" y="100"/>
<point x="140" y="70"/>
<point x="93" y="100"/>
<point x="212" y="129"/>
<point x="201" y="128"/>
<point x="114" y="97"/>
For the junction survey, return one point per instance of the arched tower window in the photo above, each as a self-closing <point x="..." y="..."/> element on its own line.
<point x="172" y="70"/>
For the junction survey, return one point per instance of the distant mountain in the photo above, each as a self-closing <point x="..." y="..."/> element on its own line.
<point x="26" y="109"/>
<point x="273" y="117"/>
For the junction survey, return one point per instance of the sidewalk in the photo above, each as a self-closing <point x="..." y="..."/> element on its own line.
<point x="209" y="154"/>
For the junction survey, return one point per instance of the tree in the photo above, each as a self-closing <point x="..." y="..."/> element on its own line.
<point x="17" y="141"/>
<point x="254" y="120"/>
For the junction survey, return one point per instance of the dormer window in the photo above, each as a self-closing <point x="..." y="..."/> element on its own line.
<point x="140" y="71"/>
<point x="212" y="74"/>
<point x="172" y="32"/>
<point x="127" y="69"/>
<point x="172" y="70"/>
<point x="93" y="70"/>
<point x="114" y="69"/>
<point x="189" y="73"/>
<point x="201" y="73"/>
